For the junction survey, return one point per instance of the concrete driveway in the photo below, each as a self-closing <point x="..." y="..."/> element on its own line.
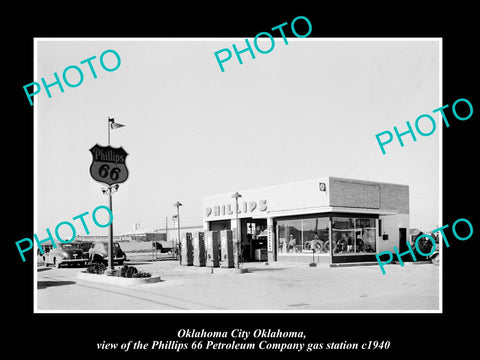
<point x="276" y="287"/>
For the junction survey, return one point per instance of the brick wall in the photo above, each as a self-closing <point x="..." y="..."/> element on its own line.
<point x="369" y="194"/>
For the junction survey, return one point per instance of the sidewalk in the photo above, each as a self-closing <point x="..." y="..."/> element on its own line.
<point x="274" y="287"/>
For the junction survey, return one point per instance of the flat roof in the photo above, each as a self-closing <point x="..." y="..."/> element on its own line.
<point x="307" y="181"/>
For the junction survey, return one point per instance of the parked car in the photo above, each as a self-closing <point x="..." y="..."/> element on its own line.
<point x="65" y="254"/>
<point x="99" y="253"/>
<point x="45" y="249"/>
<point x="85" y="246"/>
<point x="435" y="257"/>
<point x="165" y="249"/>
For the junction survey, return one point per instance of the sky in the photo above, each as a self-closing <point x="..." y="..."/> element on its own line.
<point x="307" y="109"/>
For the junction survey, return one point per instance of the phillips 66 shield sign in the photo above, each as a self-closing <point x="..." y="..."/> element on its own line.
<point x="108" y="164"/>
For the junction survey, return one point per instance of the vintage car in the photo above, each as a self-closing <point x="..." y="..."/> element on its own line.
<point x="85" y="246"/>
<point x="99" y="253"/>
<point x="171" y="250"/>
<point x="64" y="254"/>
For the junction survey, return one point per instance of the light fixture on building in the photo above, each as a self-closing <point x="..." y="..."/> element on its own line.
<point x="236" y="196"/>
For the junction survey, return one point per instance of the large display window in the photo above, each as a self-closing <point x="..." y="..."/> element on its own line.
<point x="350" y="235"/>
<point x="353" y="235"/>
<point x="297" y="236"/>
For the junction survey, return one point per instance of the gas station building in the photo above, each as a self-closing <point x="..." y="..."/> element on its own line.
<point x="324" y="220"/>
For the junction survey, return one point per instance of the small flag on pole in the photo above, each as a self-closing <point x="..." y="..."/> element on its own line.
<point x="113" y="124"/>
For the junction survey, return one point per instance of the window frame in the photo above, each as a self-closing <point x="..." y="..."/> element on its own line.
<point x="329" y="217"/>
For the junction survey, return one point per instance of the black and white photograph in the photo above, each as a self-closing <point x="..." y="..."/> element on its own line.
<point x="279" y="179"/>
<point x="277" y="184"/>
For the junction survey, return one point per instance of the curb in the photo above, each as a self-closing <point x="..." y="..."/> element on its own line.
<point x="116" y="280"/>
<point x="420" y="262"/>
<point x="354" y="264"/>
<point x="211" y="270"/>
<point x="236" y="271"/>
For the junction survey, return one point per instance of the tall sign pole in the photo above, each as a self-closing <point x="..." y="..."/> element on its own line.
<point x="111" y="266"/>
<point x="110" y="233"/>
<point x="109" y="167"/>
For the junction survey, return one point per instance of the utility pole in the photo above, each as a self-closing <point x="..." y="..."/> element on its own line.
<point x="178" y="204"/>
<point x="236" y="196"/>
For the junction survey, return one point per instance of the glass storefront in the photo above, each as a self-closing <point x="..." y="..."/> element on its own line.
<point x="350" y="235"/>
<point x="219" y="225"/>
<point x="297" y="236"/>
<point x="353" y="235"/>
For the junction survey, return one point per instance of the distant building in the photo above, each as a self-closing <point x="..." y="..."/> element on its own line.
<point x="101" y="238"/>
<point x="169" y="236"/>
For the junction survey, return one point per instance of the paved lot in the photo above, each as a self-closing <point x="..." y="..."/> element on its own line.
<point x="274" y="287"/>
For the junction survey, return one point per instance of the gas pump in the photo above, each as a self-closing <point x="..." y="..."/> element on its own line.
<point x="226" y="239"/>
<point x="198" y="242"/>
<point x="187" y="250"/>
<point x="212" y="239"/>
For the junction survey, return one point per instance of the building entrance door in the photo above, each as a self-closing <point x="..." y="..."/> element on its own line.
<point x="402" y="238"/>
<point x="254" y="239"/>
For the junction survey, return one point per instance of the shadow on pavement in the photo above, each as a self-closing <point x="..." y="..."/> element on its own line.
<point x="165" y="259"/>
<point x="138" y="262"/>
<point x="45" y="284"/>
<point x="149" y="260"/>
<point x="43" y="269"/>
<point x="265" y="269"/>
